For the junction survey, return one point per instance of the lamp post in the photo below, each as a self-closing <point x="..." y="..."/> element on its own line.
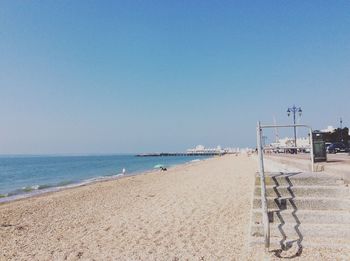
<point x="341" y="129"/>
<point x="294" y="110"/>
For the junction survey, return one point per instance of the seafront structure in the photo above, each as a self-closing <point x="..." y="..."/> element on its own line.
<point x="199" y="150"/>
<point x="282" y="145"/>
<point x="218" y="149"/>
<point x="287" y="142"/>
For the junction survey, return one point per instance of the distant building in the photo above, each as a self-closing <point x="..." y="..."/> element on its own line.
<point x="329" y="129"/>
<point x="202" y="149"/>
<point x="218" y="149"/>
<point x="288" y="142"/>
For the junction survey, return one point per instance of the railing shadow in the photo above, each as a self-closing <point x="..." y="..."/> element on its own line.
<point x="282" y="205"/>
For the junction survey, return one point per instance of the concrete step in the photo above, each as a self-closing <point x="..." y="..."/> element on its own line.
<point x="310" y="208"/>
<point x="301" y="203"/>
<point x="291" y="231"/>
<point x="303" y="216"/>
<point x="289" y="180"/>
<point x="302" y="191"/>
<point x="310" y="242"/>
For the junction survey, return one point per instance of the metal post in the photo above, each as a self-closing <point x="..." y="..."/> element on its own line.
<point x="294" y="110"/>
<point x="263" y="189"/>
<point x="312" y="151"/>
<point x="295" y="132"/>
<point x="341" y="129"/>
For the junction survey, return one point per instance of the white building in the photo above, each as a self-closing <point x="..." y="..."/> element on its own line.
<point x="202" y="149"/>
<point x="286" y="142"/>
<point x="218" y="149"/>
<point x="329" y="129"/>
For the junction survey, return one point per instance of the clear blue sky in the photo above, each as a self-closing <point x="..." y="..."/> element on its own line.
<point x="136" y="76"/>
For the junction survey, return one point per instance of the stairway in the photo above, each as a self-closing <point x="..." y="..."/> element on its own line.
<point x="306" y="210"/>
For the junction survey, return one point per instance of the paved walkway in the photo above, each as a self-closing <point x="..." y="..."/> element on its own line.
<point x="337" y="164"/>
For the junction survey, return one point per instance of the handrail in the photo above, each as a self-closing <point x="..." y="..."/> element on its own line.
<point x="287" y="148"/>
<point x="285" y="126"/>
<point x="260" y="148"/>
<point x="265" y="216"/>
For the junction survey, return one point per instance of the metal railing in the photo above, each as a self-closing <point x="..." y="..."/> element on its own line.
<point x="265" y="215"/>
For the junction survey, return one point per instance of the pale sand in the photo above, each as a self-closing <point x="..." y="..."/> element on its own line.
<point x="197" y="212"/>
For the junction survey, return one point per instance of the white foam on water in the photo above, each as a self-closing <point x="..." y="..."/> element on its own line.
<point x="35" y="190"/>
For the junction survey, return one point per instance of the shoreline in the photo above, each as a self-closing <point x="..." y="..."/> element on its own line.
<point x="191" y="211"/>
<point x="54" y="189"/>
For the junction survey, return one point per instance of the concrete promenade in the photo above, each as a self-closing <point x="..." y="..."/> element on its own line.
<point x="337" y="164"/>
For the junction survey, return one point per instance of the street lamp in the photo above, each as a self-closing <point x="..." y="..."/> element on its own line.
<point x="341" y="129"/>
<point x="294" y="110"/>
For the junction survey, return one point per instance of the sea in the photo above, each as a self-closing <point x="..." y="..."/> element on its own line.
<point x="24" y="176"/>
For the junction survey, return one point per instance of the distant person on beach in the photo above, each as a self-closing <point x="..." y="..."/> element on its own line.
<point x="123" y="171"/>
<point x="163" y="169"/>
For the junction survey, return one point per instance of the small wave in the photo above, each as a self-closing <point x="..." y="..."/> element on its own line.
<point x="29" y="191"/>
<point x="195" y="160"/>
<point x="29" y="188"/>
<point x="100" y="178"/>
<point x="33" y="188"/>
<point x="63" y="183"/>
<point x="45" y="186"/>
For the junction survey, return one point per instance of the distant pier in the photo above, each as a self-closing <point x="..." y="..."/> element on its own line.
<point x="169" y="154"/>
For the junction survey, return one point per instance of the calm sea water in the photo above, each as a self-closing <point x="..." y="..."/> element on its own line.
<point x="23" y="175"/>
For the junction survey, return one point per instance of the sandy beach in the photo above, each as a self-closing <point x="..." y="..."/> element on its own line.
<point x="196" y="211"/>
